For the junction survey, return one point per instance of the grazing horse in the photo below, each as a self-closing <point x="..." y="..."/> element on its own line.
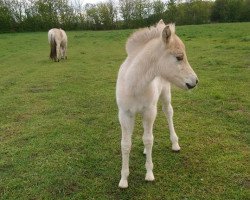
<point x="58" y="44"/>
<point x="156" y="58"/>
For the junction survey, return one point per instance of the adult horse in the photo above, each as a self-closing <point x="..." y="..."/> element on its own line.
<point x="156" y="58"/>
<point x="58" y="44"/>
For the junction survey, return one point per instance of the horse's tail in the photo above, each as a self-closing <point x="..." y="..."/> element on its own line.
<point x="52" y="47"/>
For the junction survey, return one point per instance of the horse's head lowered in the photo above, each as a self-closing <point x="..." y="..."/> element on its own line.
<point x="173" y="63"/>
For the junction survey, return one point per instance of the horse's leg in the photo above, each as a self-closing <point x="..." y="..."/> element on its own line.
<point x="62" y="52"/>
<point x="148" y="121"/>
<point x="65" y="51"/>
<point x="58" y="51"/>
<point x="168" y="110"/>
<point x="127" y="126"/>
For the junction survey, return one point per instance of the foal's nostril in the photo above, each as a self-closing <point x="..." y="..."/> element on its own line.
<point x="197" y="81"/>
<point x="190" y="86"/>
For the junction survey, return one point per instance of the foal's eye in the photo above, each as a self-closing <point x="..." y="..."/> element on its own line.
<point x="179" y="58"/>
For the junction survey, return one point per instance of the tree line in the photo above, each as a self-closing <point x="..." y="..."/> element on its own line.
<point x="41" y="15"/>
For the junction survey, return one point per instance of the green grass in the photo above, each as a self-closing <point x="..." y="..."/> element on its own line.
<point x="60" y="136"/>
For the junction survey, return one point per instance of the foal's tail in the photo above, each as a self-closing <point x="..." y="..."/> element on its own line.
<point x="52" y="47"/>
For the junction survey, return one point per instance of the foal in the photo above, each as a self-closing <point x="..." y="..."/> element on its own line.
<point x="58" y="44"/>
<point x="156" y="58"/>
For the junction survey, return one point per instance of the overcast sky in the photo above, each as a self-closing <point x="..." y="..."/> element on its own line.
<point x="90" y="1"/>
<point x="96" y="1"/>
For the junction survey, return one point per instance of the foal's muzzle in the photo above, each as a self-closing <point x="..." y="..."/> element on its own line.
<point x="190" y="86"/>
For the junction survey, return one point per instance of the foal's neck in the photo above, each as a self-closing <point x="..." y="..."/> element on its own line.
<point x="144" y="69"/>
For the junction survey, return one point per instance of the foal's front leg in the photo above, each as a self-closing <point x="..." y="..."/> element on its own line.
<point x="148" y="121"/>
<point x="169" y="112"/>
<point x="127" y="125"/>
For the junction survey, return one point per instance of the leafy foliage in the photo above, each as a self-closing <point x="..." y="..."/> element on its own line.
<point x="37" y="15"/>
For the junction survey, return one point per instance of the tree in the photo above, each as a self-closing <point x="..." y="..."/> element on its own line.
<point x="107" y="14"/>
<point x="126" y="10"/>
<point x="194" y="12"/>
<point x="171" y="11"/>
<point x="79" y="14"/>
<point x="158" y="7"/>
<point x="245" y="11"/>
<point x="228" y="10"/>
<point x="6" y="19"/>
<point x="157" y="12"/>
<point x="65" y="14"/>
<point x="134" y="12"/>
<point x="141" y="9"/>
<point x="46" y="14"/>
<point x="92" y="16"/>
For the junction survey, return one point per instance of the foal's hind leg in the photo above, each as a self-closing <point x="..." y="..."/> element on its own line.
<point x="127" y="126"/>
<point x="148" y="121"/>
<point x="168" y="110"/>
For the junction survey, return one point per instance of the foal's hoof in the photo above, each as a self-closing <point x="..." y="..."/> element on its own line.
<point x="123" y="184"/>
<point x="176" y="147"/>
<point x="150" y="176"/>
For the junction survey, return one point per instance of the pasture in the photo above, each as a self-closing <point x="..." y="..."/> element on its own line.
<point x="60" y="135"/>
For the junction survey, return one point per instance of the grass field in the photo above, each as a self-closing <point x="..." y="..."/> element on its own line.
<point x="60" y="136"/>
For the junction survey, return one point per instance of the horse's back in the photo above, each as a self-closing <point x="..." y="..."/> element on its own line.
<point x="63" y="33"/>
<point x="64" y="37"/>
<point x="50" y="35"/>
<point x="58" y="34"/>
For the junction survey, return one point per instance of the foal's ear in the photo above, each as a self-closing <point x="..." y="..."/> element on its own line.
<point x="161" y="22"/>
<point x="166" y="33"/>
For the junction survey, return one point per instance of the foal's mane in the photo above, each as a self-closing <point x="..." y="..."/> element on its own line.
<point x="142" y="36"/>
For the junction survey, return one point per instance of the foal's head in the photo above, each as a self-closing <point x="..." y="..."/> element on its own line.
<point x="173" y="62"/>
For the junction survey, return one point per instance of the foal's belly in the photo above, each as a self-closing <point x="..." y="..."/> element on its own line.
<point x="139" y="105"/>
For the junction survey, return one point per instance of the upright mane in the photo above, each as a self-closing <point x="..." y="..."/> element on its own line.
<point x="141" y="37"/>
